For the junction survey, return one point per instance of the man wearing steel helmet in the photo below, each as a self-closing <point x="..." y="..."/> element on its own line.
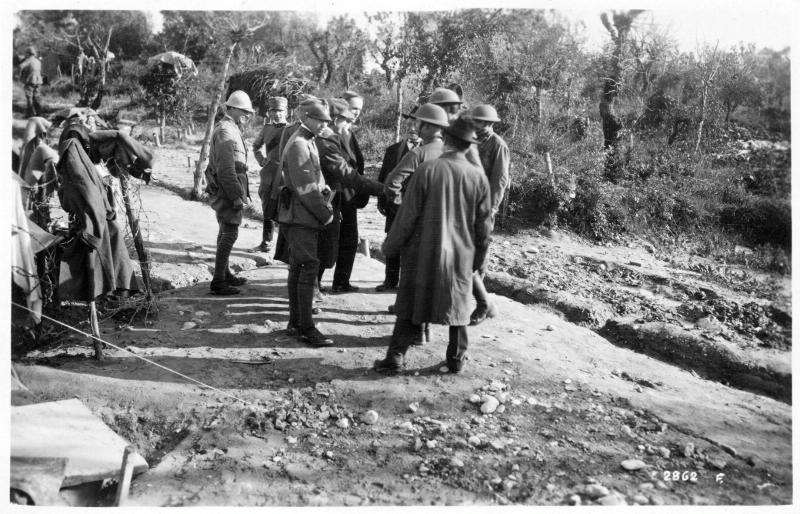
<point x="495" y="159"/>
<point x="30" y="73"/>
<point x="442" y="231"/>
<point x="304" y="210"/>
<point x="269" y="138"/>
<point x="228" y="187"/>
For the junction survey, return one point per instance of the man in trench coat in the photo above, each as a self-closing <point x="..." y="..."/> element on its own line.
<point x="269" y="138"/>
<point x="442" y="232"/>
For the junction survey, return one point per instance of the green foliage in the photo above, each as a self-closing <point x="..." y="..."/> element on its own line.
<point x="170" y="94"/>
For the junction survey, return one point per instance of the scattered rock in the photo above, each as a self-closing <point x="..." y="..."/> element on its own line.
<point x="532" y="249"/>
<point x="202" y="313"/>
<point x="531" y="400"/>
<point x="717" y="463"/>
<point x="509" y="484"/>
<point x="188" y="325"/>
<point x="627" y="430"/>
<point x="413" y="407"/>
<point x="729" y="449"/>
<point x="550" y="328"/>
<point x="516" y="402"/>
<point x="611" y="499"/>
<point x="570" y="388"/>
<point x="709" y="323"/>
<point x="502" y="397"/>
<point x="423" y="468"/>
<point x="665" y="453"/>
<point x="406" y="425"/>
<point x="370" y="417"/>
<point x="500" y="409"/>
<point x="574" y="500"/>
<point x="646" y="486"/>
<point x="291" y="440"/>
<point x="490" y="405"/>
<point x="595" y="491"/>
<point x="550" y="488"/>
<point x="633" y="464"/>
<point x="497" y="444"/>
<point x="431" y="444"/>
<point x="343" y="423"/>
<point x="475" y="399"/>
<point x="329" y="454"/>
<point x="474" y="440"/>
<point x="656" y="500"/>
<point x="417" y="444"/>
<point x="688" y="450"/>
<point x="640" y="499"/>
<point x="568" y="381"/>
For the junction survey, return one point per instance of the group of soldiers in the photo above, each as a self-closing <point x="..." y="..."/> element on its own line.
<point x="440" y="188"/>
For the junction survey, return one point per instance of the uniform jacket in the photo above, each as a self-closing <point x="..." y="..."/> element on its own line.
<point x="442" y="234"/>
<point x="354" y="155"/>
<point x="226" y="174"/>
<point x="269" y="138"/>
<point x="496" y="160"/>
<point x="122" y="151"/>
<point x="391" y="158"/>
<point x="30" y="71"/>
<point x="308" y="198"/>
<point x="393" y="186"/>
<point x="96" y="261"/>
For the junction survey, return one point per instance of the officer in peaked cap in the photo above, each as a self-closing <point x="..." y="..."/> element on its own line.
<point x="269" y="139"/>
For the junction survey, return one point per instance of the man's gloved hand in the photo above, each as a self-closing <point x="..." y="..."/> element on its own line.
<point x="238" y="204"/>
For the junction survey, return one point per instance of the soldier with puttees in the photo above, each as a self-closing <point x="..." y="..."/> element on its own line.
<point x="30" y="73"/>
<point x="228" y="187"/>
<point x="304" y="210"/>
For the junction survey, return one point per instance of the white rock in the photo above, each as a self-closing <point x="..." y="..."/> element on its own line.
<point x="490" y="405"/>
<point x="633" y="464"/>
<point x="500" y="409"/>
<point x="444" y="369"/>
<point x="413" y="407"/>
<point x="456" y="462"/>
<point x="531" y="400"/>
<point x="664" y="452"/>
<point x="423" y="468"/>
<point x="532" y="249"/>
<point x="497" y="444"/>
<point x="550" y="328"/>
<point x="370" y="417"/>
<point x="329" y="454"/>
<point x="474" y="440"/>
<point x="550" y="488"/>
<point x="475" y="399"/>
<point x="688" y="450"/>
<point x="595" y="491"/>
<point x="202" y="313"/>
<point x="291" y="440"/>
<point x="343" y="423"/>
<point x="430" y="443"/>
<point x="574" y="500"/>
<point x="640" y="499"/>
<point x="627" y="430"/>
<point x="611" y="499"/>
<point x="406" y="425"/>
<point x="516" y="402"/>
<point x="188" y="325"/>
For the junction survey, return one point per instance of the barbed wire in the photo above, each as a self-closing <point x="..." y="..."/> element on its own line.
<point x="103" y="341"/>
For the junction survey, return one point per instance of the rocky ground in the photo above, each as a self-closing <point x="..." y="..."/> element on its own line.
<point x="575" y="394"/>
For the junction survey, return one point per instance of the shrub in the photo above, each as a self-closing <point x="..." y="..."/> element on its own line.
<point x="759" y="220"/>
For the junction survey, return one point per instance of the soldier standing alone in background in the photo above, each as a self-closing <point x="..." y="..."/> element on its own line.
<point x="30" y="73"/>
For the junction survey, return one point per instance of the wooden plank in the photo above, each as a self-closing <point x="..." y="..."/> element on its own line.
<point x="68" y="429"/>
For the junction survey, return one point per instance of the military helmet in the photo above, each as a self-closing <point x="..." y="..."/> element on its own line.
<point x="462" y="129"/>
<point x="240" y="100"/>
<point x="433" y="114"/>
<point x="484" y="113"/>
<point x="441" y="95"/>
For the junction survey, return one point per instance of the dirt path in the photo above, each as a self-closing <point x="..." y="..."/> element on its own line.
<point x="574" y="405"/>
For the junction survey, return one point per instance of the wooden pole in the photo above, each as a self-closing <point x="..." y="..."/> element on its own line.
<point x="125" y="476"/>
<point x="138" y="242"/>
<point x="95" y="324"/>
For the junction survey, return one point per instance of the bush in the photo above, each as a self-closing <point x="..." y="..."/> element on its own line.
<point x="759" y="220"/>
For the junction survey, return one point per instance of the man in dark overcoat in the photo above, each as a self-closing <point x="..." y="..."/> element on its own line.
<point x="269" y="159"/>
<point x="391" y="158"/>
<point x="442" y="232"/>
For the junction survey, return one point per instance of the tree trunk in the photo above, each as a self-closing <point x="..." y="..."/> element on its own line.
<point x="399" y="120"/>
<point x="199" y="176"/>
<point x="101" y="90"/>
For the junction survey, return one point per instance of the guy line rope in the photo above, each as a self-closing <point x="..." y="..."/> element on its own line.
<point x="202" y="384"/>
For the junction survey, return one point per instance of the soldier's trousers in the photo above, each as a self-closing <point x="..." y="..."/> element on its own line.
<point x="226" y="237"/>
<point x="303" y="268"/>
<point x="348" y="245"/>
<point x="33" y="108"/>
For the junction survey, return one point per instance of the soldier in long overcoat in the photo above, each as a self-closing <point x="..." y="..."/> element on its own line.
<point x="442" y="234"/>
<point x="228" y="187"/>
<point x="269" y="138"/>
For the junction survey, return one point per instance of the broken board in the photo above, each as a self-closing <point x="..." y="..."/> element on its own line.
<point x="68" y="429"/>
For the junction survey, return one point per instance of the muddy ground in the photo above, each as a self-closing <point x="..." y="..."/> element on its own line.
<point x="583" y="362"/>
